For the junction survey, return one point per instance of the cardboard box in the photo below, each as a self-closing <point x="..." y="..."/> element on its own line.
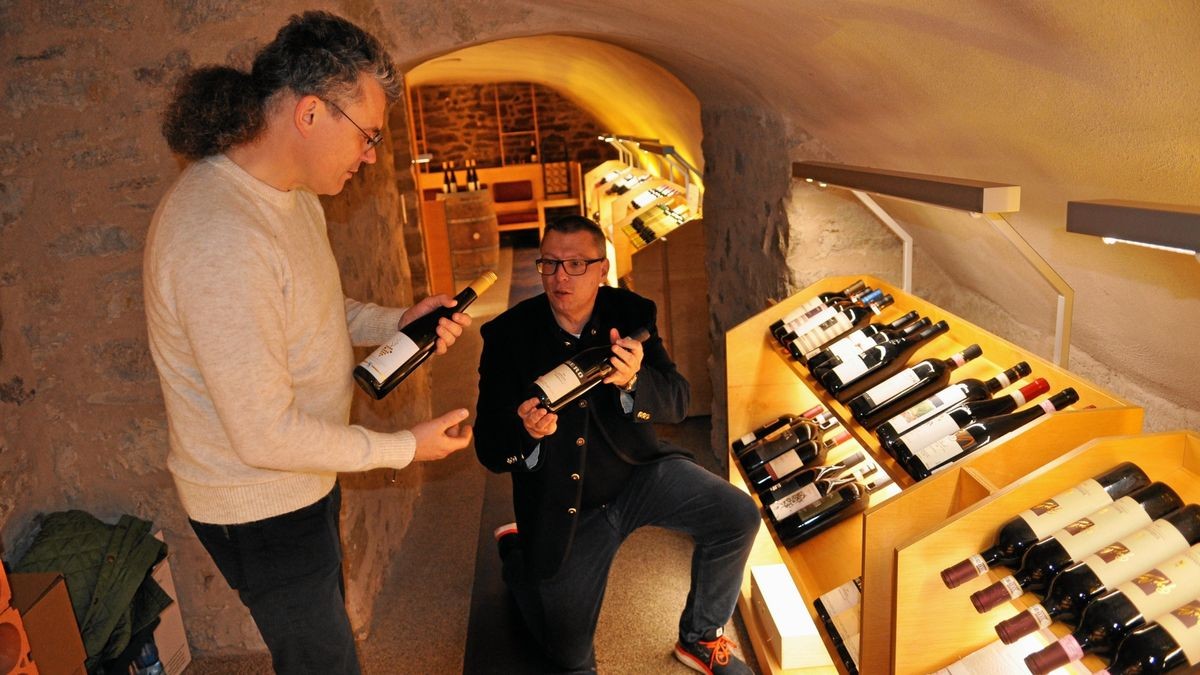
<point x="791" y="634"/>
<point x="169" y="636"/>
<point x="45" y="607"/>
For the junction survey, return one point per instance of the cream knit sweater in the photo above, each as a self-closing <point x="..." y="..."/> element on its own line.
<point x="252" y="338"/>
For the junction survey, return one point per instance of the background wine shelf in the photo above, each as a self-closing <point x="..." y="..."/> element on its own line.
<point x="764" y="383"/>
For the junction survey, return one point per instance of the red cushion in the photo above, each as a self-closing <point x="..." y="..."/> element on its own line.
<point x="512" y="191"/>
<point x="516" y="217"/>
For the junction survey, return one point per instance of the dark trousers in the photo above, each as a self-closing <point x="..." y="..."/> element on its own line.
<point x="288" y="571"/>
<point x="675" y="494"/>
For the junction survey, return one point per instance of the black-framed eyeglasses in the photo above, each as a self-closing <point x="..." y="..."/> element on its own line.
<point x="574" y="267"/>
<point x="372" y="141"/>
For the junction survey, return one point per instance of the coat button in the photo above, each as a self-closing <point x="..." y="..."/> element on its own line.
<point x="572" y="511"/>
<point x="574" y="476"/>
<point x="583" y="404"/>
<point x="579" y="441"/>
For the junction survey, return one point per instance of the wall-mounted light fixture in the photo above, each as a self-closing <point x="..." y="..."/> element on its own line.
<point x="423" y="158"/>
<point x="952" y="193"/>
<point x="625" y="146"/>
<point x="1167" y="227"/>
<point x="672" y="156"/>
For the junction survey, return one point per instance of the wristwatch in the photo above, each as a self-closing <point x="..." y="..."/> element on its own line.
<point x="630" y="385"/>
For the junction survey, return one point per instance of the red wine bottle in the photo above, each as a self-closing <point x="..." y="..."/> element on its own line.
<point x="822" y="514"/>
<point x="820" y="302"/>
<point x="877" y="339"/>
<point x="1167" y="644"/>
<point x="781" y="467"/>
<point x="900" y="391"/>
<point x="808" y="476"/>
<point x="801" y="430"/>
<point x="577" y="375"/>
<point x="1078" y="540"/>
<point x="951" y="448"/>
<point x="949" y="422"/>
<point x="853" y="343"/>
<point x="876" y="299"/>
<point x="1104" y="570"/>
<point x="395" y="359"/>
<point x="854" y="376"/>
<point x="1111" y="617"/>
<point x="781" y="512"/>
<point x="1042" y="519"/>
<point x="851" y="317"/>
<point x="772" y="428"/>
<point x="945" y="400"/>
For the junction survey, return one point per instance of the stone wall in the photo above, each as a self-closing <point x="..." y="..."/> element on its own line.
<point x="456" y="122"/>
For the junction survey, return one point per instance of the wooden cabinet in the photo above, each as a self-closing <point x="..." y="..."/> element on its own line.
<point x="764" y="383"/>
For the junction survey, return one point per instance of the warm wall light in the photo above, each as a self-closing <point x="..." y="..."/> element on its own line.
<point x="953" y="193"/>
<point x="1166" y="227"/>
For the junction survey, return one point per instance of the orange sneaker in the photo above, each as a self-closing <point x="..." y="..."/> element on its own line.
<point x="712" y="657"/>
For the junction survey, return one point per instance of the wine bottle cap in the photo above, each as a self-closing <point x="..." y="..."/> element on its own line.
<point x="1011" y="630"/>
<point x="1021" y="369"/>
<point x="484" y="282"/>
<point x="990" y="598"/>
<point x="1035" y="389"/>
<point x="959" y="574"/>
<point x="813" y="411"/>
<point x="972" y="352"/>
<point x="1046" y="660"/>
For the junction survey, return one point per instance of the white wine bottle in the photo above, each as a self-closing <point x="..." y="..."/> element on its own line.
<point x="577" y="375"/>
<point x="395" y="359"/>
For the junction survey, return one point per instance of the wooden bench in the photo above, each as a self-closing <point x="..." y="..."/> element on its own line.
<point x="516" y="205"/>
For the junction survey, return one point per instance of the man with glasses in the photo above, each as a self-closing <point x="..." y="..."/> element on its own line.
<point x="253" y="337"/>
<point x="586" y="477"/>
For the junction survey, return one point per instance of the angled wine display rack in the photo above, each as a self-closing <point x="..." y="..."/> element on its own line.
<point x="763" y="383"/>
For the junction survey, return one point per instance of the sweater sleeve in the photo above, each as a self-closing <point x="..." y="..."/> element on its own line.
<point x="231" y="307"/>
<point x="370" y="324"/>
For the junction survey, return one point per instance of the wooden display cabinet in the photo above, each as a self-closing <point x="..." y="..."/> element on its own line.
<point x="763" y="383"/>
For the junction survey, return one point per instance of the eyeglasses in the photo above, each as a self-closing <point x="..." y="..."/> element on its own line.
<point x="574" y="267"/>
<point x="372" y="141"/>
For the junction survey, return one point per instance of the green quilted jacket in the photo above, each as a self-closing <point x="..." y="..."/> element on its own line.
<point x="107" y="568"/>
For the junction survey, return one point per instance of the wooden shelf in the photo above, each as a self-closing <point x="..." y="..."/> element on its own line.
<point x="764" y="383"/>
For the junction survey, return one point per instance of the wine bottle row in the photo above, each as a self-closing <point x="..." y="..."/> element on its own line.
<point x="450" y="177"/>
<point x="1109" y="558"/>
<point x="840" y="613"/>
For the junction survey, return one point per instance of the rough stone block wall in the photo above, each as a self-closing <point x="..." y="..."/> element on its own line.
<point x="459" y="122"/>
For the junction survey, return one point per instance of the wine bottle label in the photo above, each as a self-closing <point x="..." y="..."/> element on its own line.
<point x="1164" y="587"/>
<point x="1119" y="561"/>
<point x="1012" y="587"/>
<point x="1085" y="536"/>
<point x="803" y="325"/>
<point x="748" y="438"/>
<point x="980" y="565"/>
<point x="1183" y="624"/>
<point x="853" y="646"/>
<point x="1040" y="615"/>
<point x="848" y="623"/>
<point x="784" y="464"/>
<point x="389" y="356"/>
<point x="1002" y="378"/>
<point x="938" y="403"/>
<point x="850" y="369"/>
<point x="850" y="346"/>
<point x="892" y="386"/>
<point x="795" y="501"/>
<point x="1055" y="512"/>
<point x="932" y="431"/>
<point x="842" y="598"/>
<point x="561" y="381"/>
<point x="812" y="340"/>
<point x="939" y="452"/>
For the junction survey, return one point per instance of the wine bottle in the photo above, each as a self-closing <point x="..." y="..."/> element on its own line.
<point x="1078" y="540"/>
<point x="1104" y="570"/>
<point x="854" y="376"/>
<point x="851" y="317"/>
<point x="802" y="454"/>
<point x="453" y="178"/>
<point x="945" y="400"/>
<point x="446" y="178"/>
<point x="951" y="448"/>
<point x="793" y="329"/>
<point x="949" y="422"/>
<point x="1111" y="617"/>
<point x="782" y="510"/>
<point x="533" y="152"/>
<point x="798" y="431"/>
<point x="809" y="475"/>
<point x="820" y="302"/>
<point x="821" y="514"/>
<point x="857" y="341"/>
<point x="1040" y="520"/>
<point x="901" y="390"/>
<point x="395" y="359"/>
<point x="1170" y="642"/>
<point x="472" y="176"/>
<point x="772" y="428"/>
<point x="577" y="375"/>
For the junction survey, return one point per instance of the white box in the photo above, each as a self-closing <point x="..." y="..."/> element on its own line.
<point x="169" y="635"/>
<point x="791" y="635"/>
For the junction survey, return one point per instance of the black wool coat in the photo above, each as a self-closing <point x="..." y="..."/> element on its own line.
<point x="524" y="343"/>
